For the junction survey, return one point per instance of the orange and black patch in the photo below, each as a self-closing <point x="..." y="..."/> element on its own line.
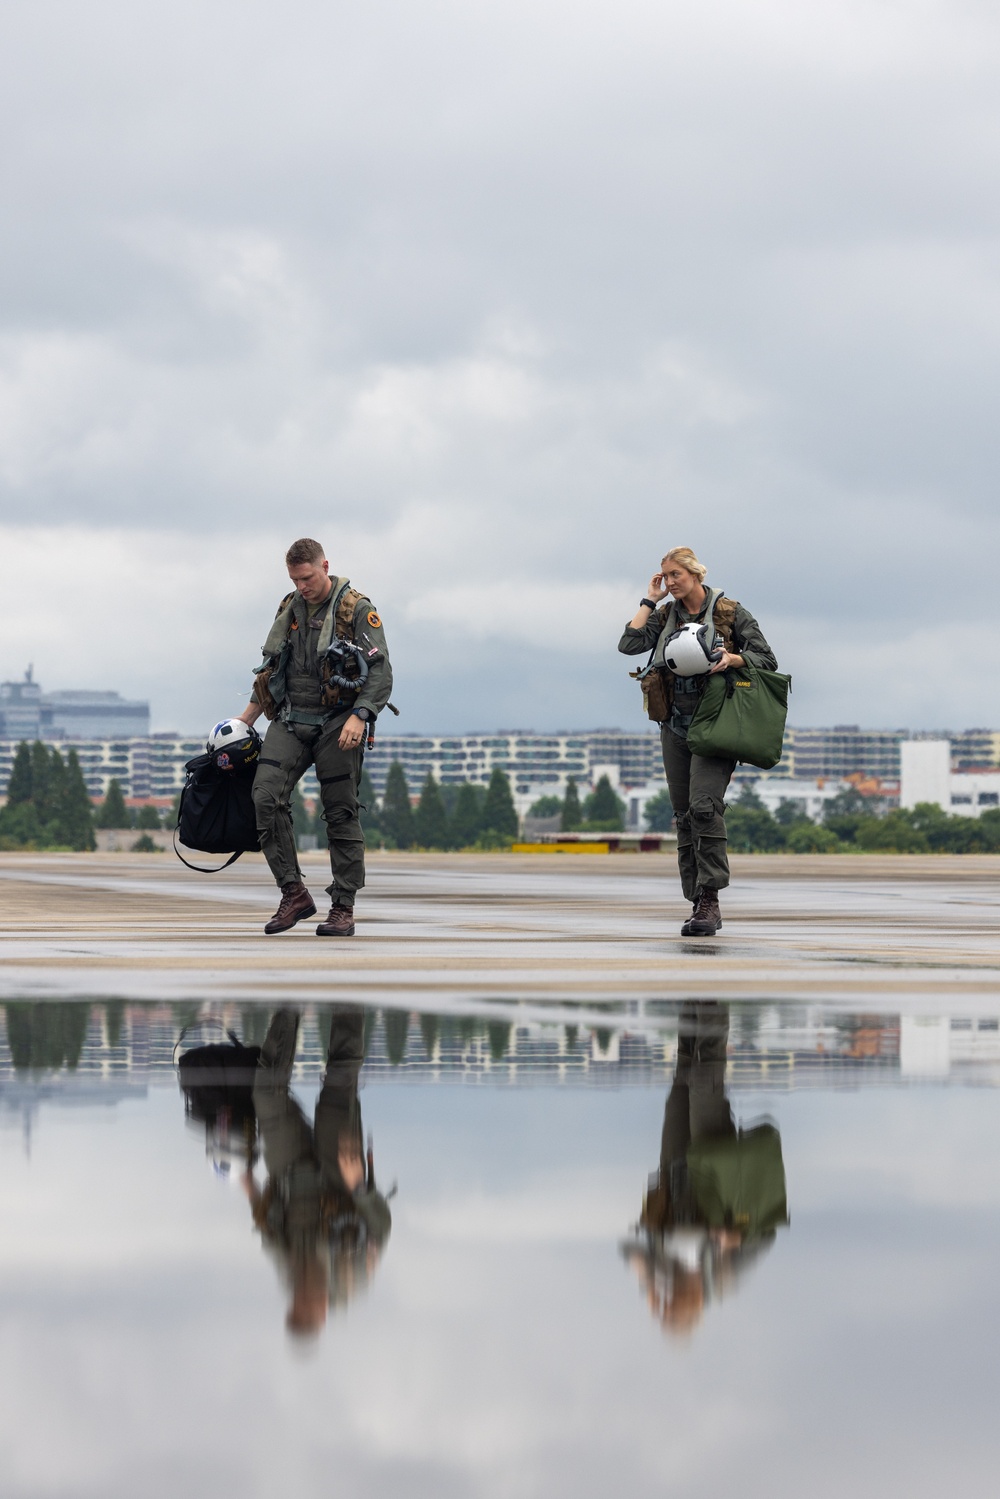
<point x="374" y="620"/>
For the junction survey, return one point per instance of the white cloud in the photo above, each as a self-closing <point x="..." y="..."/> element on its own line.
<point x="499" y="304"/>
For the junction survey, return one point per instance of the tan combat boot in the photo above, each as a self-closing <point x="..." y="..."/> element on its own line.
<point x="296" y="903"/>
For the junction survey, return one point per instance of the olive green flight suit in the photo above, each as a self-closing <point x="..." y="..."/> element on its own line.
<point x="698" y="783"/>
<point x="292" y="745"/>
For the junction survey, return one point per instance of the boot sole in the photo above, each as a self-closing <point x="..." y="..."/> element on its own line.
<point x="321" y="933"/>
<point x="701" y="929"/>
<point x="276" y="931"/>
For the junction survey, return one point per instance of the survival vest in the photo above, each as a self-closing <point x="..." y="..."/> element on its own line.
<point x="655" y="678"/>
<point x="270" y="686"/>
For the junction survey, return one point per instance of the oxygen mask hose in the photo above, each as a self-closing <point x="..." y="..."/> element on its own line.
<point x="338" y="654"/>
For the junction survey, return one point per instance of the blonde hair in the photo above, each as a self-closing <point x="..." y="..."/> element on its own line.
<point x="687" y="560"/>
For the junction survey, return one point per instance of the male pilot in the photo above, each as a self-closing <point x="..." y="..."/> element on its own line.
<point x="320" y="709"/>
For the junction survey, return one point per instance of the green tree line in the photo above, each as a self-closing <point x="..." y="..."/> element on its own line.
<point x="48" y="805"/>
<point x="113" y="813"/>
<point x="601" y="812"/>
<point x="849" y="825"/>
<point x="445" y="817"/>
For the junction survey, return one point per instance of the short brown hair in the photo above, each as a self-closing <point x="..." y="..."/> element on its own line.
<point x="304" y="550"/>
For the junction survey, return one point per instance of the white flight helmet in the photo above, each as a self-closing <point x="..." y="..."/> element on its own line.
<point x="690" y="651"/>
<point x="234" y="746"/>
<point x="227" y="734"/>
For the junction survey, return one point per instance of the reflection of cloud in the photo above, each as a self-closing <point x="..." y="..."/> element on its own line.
<point x="572" y="1207"/>
<point x="495" y="1362"/>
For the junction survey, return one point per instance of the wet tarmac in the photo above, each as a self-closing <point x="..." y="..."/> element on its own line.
<point x="538" y="929"/>
<point x="538" y="1198"/>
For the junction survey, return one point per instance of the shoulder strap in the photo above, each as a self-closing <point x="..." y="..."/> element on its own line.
<point x="348" y="601"/>
<point x="669" y="626"/>
<point x="201" y="867"/>
<point x="338" y="606"/>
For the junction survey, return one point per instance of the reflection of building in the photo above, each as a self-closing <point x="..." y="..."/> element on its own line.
<point x="26" y="712"/>
<point x="770" y="1048"/>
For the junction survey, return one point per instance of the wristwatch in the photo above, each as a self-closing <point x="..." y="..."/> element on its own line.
<point x="649" y="603"/>
<point x="363" y="713"/>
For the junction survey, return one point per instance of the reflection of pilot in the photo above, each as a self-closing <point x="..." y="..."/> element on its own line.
<point x="319" y="1211"/>
<point x="719" y="1194"/>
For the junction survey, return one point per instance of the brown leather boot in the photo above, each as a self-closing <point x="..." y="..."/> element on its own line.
<point x="339" y="923"/>
<point x="706" y="918"/>
<point x="296" y="903"/>
<point x="686" y="928"/>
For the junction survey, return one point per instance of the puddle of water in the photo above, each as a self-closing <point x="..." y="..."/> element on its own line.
<point x="736" y="1245"/>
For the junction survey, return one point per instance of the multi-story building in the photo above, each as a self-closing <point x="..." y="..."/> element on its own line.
<point x="974" y="749"/>
<point x="534" y="762"/>
<point x="842" y="751"/>
<point x="847" y="749"/>
<point x="26" y="712"/>
<point x="153" y="765"/>
<point x="144" y="768"/>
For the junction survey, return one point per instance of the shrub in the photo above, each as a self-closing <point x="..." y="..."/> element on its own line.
<point x="546" y="806"/>
<point x="753" y="832"/>
<point x="808" y="838"/>
<point x="467" y="815"/>
<point x="604" y="811"/>
<point x="659" y="814"/>
<point x="499" y="815"/>
<point x="894" y="834"/>
<point x="397" y="814"/>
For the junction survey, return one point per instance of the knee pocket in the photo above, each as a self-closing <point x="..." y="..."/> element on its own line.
<point x="265" y="798"/>
<point x="682" y="821"/>
<point x="705" y="809"/>
<point x="336" y="816"/>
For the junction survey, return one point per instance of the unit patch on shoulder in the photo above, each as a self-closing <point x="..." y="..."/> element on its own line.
<point x="374" y="620"/>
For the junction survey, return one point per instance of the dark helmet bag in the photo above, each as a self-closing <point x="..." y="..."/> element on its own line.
<point x="216" y="812"/>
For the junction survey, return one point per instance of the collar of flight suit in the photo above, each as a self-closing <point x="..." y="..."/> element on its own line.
<point x="278" y="634"/>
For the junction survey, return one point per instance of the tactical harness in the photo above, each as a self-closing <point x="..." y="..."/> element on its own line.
<point x="270" y="689"/>
<point x="655" y="678"/>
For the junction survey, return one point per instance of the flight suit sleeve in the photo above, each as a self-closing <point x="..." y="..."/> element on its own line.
<point x="634" y="642"/>
<point x="370" y="636"/>
<point x="750" y="642"/>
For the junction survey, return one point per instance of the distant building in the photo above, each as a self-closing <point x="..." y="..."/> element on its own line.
<point x="26" y="712"/>
<point x="144" y="768"/>
<point x="927" y="776"/>
<point x="537" y="764"/>
<point x="846" y="749"/>
<point x="811" y="796"/>
<point x="96" y="715"/>
<point x="21" y="709"/>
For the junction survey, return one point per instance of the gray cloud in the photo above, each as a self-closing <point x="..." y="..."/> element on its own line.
<point x="504" y="301"/>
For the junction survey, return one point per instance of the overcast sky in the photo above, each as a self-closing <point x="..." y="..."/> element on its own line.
<point x="498" y="301"/>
